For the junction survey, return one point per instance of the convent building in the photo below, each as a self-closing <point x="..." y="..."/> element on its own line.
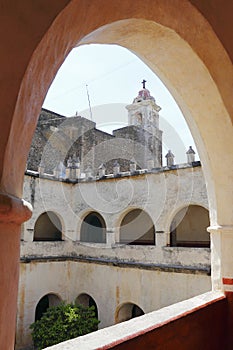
<point x="111" y="226"/>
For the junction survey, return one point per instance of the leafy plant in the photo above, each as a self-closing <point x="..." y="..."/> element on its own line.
<point x="63" y="322"/>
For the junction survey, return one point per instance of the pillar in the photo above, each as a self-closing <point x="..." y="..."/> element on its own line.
<point x="13" y="212"/>
<point x="133" y="166"/>
<point x="102" y="170"/>
<point x="161" y="238"/>
<point x="150" y="164"/>
<point x="222" y="257"/>
<point x="222" y="268"/>
<point x="110" y="237"/>
<point x="116" y="168"/>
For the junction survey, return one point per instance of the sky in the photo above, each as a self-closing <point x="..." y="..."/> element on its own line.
<point x="107" y="78"/>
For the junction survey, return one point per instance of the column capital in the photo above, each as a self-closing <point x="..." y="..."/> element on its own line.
<point x="220" y="228"/>
<point x="14" y="210"/>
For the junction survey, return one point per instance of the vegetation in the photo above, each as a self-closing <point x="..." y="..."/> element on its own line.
<point x="63" y="322"/>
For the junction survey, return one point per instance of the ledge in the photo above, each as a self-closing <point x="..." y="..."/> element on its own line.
<point x="112" y="336"/>
<point x="205" y="270"/>
<point x="126" y="174"/>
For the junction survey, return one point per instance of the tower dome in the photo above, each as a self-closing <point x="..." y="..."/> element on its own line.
<point x="143" y="94"/>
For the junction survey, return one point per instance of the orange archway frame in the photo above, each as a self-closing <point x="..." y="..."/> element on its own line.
<point x="173" y="38"/>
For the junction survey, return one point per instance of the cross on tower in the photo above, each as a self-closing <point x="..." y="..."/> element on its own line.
<point x="144" y="83"/>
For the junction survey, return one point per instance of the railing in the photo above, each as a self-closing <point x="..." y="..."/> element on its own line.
<point x="196" y="323"/>
<point x="188" y="258"/>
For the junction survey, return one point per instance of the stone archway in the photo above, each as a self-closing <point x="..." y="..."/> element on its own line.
<point x="86" y="300"/>
<point x="127" y="311"/>
<point x="189" y="227"/>
<point x="93" y="229"/>
<point x="156" y="29"/>
<point x="48" y="227"/>
<point x="44" y="303"/>
<point x="187" y="63"/>
<point x="137" y="228"/>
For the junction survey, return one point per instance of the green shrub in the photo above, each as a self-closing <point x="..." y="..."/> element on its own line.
<point x="63" y="322"/>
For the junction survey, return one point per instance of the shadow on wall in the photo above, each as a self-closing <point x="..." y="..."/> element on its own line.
<point x="45" y="302"/>
<point x="93" y="229"/>
<point x="48" y="227"/>
<point x="87" y="301"/>
<point x="137" y="228"/>
<point x="189" y="227"/>
<point x="128" y="311"/>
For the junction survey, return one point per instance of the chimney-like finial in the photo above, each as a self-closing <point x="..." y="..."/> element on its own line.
<point x="170" y="158"/>
<point x="190" y="155"/>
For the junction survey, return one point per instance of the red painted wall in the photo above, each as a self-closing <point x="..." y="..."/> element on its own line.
<point x="203" y="329"/>
<point x="229" y="296"/>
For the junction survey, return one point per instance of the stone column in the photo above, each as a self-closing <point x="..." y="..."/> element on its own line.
<point x="150" y="164"/>
<point x="110" y="237"/>
<point x="222" y="268"/>
<point x="161" y="239"/>
<point x="116" y="168"/>
<point x="222" y="257"/>
<point x="13" y="212"/>
<point x="102" y="170"/>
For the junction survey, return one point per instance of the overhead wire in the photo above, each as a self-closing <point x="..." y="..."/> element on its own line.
<point x="83" y="85"/>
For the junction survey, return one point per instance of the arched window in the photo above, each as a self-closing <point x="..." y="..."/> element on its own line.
<point x="188" y="228"/>
<point x="128" y="311"/>
<point x="137" y="228"/>
<point x="138" y="118"/>
<point x="45" y="302"/>
<point x="87" y="300"/>
<point x="48" y="227"/>
<point x="93" y="229"/>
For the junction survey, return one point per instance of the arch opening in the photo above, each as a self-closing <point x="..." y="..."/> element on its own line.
<point x="48" y="227"/>
<point x="173" y="68"/>
<point x="93" y="229"/>
<point x="197" y="99"/>
<point x="128" y="311"/>
<point x="218" y="181"/>
<point x="87" y="301"/>
<point x="189" y="227"/>
<point x="44" y="303"/>
<point x="137" y="228"/>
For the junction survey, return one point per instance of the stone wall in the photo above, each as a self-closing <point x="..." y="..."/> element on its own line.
<point x="112" y="274"/>
<point x="57" y="138"/>
<point x="110" y="286"/>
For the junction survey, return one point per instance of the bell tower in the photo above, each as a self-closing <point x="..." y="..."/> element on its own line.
<point x="143" y="116"/>
<point x="144" y="111"/>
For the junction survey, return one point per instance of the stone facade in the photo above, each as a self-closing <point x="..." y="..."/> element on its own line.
<point x="71" y="267"/>
<point x="58" y="138"/>
<point x="122" y="225"/>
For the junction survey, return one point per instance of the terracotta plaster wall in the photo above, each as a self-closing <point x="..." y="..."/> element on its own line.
<point x="12" y="213"/>
<point x="36" y="36"/>
<point x="23" y="25"/>
<point x="219" y="14"/>
<point x="204" y="329"/>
